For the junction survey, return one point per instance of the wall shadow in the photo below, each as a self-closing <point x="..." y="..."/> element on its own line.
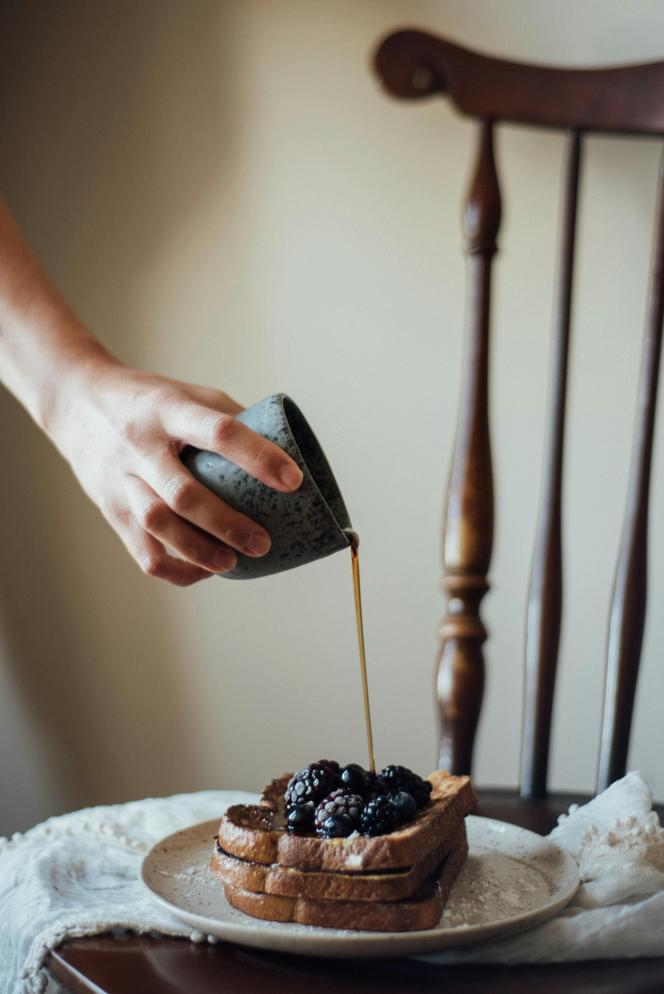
<point x="111" y="141"/>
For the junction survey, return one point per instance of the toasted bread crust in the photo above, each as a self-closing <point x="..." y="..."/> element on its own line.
<point x="286" y="881"/>
<point x="257" y="833"/>
<point x="420" y="911"/>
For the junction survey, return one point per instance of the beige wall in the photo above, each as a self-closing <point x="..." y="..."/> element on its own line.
<point x="226" y="196"/>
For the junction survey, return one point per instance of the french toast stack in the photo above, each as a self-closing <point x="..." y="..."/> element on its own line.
<point x="393" y="882"/>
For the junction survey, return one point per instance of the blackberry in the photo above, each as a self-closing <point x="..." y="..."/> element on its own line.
<point x="331" y="763"/>
<point x="339" y="804"/>
<point x="400" y="778"/>
<point x="375" y="786"/>
<point x="379" y="817"/>
<point x="404" y="805"/>
<point x="312" y="783"/>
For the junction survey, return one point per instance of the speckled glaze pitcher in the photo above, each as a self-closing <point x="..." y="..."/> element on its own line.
<point x="305" y="525"/>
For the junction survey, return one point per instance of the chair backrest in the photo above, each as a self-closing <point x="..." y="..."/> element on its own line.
<point x="629" y="100"/>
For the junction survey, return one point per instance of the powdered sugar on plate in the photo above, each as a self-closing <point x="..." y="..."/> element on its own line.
<point x="493" y="886"/>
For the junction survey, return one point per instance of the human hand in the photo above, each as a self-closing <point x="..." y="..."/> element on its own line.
<point x="122" y="432"/>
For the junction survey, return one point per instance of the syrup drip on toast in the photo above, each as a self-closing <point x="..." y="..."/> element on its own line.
<point x="354" y="539"/>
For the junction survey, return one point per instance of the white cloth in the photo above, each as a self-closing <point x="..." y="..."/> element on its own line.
<point x="618" y="911"/>
<point x="78" y="875"/>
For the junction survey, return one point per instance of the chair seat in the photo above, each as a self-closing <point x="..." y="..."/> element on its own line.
<point x="537" y="814"/>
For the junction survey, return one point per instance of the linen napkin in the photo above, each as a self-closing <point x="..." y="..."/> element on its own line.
<point x="78" y="875"/>
<point x="618" y="910"/>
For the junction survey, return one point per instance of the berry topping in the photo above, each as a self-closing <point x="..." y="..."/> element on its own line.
<point x="334" y="802"/>
<point x="404" y="806"/>
<point x="313" y="783"/>
<point x="379" y="816"/>
<point x="301" y="818"/>
<point x="339" y="804"/>
<point x="400" y="778"/>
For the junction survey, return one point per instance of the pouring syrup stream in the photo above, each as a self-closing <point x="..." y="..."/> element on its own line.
<point x="354" y="540"/>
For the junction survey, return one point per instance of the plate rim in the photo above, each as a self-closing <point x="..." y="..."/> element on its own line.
<point x="349" y="943"/>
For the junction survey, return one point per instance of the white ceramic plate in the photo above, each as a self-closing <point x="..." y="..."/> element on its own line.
<point x="513" y="879"/>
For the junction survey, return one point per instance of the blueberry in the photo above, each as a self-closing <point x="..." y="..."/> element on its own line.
<point x="355" y="779"/>
<point x="301" y="818"/>
<point x="404" y="805"/>
<point x="337" y="827"/>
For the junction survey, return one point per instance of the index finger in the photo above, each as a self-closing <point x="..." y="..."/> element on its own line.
<point x="208" y="429"/>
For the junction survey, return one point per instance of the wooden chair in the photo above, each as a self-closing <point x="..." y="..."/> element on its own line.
<point x="415" y="65"/>
<point x="624" y="100"/>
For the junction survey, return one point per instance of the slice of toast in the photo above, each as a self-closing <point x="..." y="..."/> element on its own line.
<point x="286" y="881"/>
<point x="257" y="832"/>
<point x="421" y="911"/>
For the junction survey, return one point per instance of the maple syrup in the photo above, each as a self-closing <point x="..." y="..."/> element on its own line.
<point x="354" y="539"/>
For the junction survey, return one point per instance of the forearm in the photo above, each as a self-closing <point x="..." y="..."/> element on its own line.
<point x="102" y="414"/>
<point x="41" y="338"/>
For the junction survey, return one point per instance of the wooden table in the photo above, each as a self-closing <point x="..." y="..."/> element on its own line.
<point x="137" y="965"/>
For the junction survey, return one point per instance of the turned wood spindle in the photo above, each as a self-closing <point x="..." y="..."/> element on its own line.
<point x="546" y="577"/>
<point x="468" y="519"/>
<point x="628" y="600"/>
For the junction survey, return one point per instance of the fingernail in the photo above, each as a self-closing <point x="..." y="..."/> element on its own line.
<point x="291" y="476"/>
<point x="224" y="559"/>
<point x="258" y="543"/>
